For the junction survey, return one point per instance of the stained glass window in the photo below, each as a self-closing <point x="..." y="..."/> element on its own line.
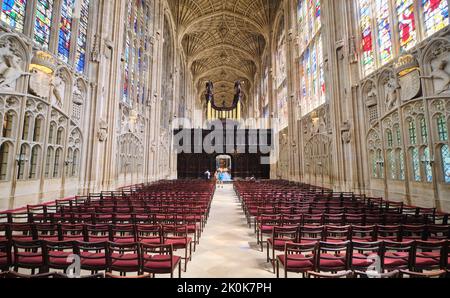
<point x="445" y="157"/>
<point x="407" y="24"/>
<point x="380" y="160"/>
<point x="384" y="31"/>
<point x="435" y="15"/>
<point x="401" y="163"/>
<point x="13" y="14"/>
<point x="374" y="165"/>
<point x="80" y="59"/>
<point x="426" y="159"/>
<point x="302" y="19"/>
<point x="412" y="132"/>
<point x="43" y="22"/>
<point x="392" y="165"/>
<point x="415" y="164"/>
<point x="126" y="70"/>
<point x="390" y="141"/>
<point x="442" y="128"/>
<point x="423" y="130"/>
<point x="65" y="29"/>
<point x="398" y="135"/>
<point x="368" y="60"/>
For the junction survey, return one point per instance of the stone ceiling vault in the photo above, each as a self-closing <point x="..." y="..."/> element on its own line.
<point x="223" y="40"/>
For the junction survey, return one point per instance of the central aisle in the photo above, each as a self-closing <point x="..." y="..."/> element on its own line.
<point x="227" y="246"/>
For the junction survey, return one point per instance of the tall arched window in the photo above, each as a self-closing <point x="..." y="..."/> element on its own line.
<point x="60" y="136"/>
<point x="65" y="29"/>
<point x="22" y="162"/>
<point x="390" y="28"/>
<point x="427" y="164"/>
<point x="445" y="157"/>
<point x="35" y="157"/>
<point x="76" y="161"/>
<point x="43" y="22"/>
<point x="311" y="62"/>
<point x="423" y="130"/>
<point x="401" y="163"/>
<point x="37" y="129"/>
<point x="49" y="162"/>
<point x="51" y="133"/>
<point x="57" y="163"/>
<point x="26" y="126"/>
<point x="69" y="158"/>
<point x="435" y="15"/>
<point x="412" y="132"/>
<point x="368" y="57"/>
<point x="13" y="14"/>
<point x="80" y="59"/>
<point x="415" y="162"/>
<point x="442" y="128"/>
<point x="4" y="161"/>
<point x="8" y="124"/>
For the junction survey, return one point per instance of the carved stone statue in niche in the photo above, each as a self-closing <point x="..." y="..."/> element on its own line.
<point x="442" y="75"/>
<point x="58" y="90"/>
<point x="78" y="96"/>
<point x="391" y="89"/>
<point x="10" y="66"/>
<point x="102" y="130"/>
<point x="371" y="96"/>
<point x="346" y="133"/>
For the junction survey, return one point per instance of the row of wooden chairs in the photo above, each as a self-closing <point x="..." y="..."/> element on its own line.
<point x="138" y="257"/>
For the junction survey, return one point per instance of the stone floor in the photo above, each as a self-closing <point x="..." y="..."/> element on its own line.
<point x="228" y="246"/>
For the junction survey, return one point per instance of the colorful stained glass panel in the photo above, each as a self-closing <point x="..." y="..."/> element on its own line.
<point x="13" y="14"/>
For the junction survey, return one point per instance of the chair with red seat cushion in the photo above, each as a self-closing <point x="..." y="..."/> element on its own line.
<point x="333" y="256"/>
<point x="29" y="255"/>
<point x="93" y="256"/>
<point x="5" y="255"/>
<point x="57" y="254"/>
<point x="389" y="233"/>
<point x="397" y="255"/>
<point x="334" y="219"/>
<point x="22" y="232"/>
<point x="178" y="236"/>
<point x="366" y="255"/>
<point x="311" y="234"/>
<point x="4" y="232"/>
<point x="337" y="233"/>
<point x="413" y="232"/>
<point x="97" y="232"/>
<point x="123" y="233"/>
<point x="363" y="233"/>
<point x="313" y="219"/>
<point x="159" y="259"/>
<point x="123" y="257"/>
<point x="47" y="231"/>
<point x="281" y="236"/>
<point x="264" y="226"/>
<point x="298" y="258"/>
<point x="149" y="233"/>
<point x="429" y="255"/>
<point x="291" y="220"/>
<point x="71" y="232"/>
<point x="437" y="232"/>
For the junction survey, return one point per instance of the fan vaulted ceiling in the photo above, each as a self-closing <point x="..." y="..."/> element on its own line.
<point x="223" y="41"/>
